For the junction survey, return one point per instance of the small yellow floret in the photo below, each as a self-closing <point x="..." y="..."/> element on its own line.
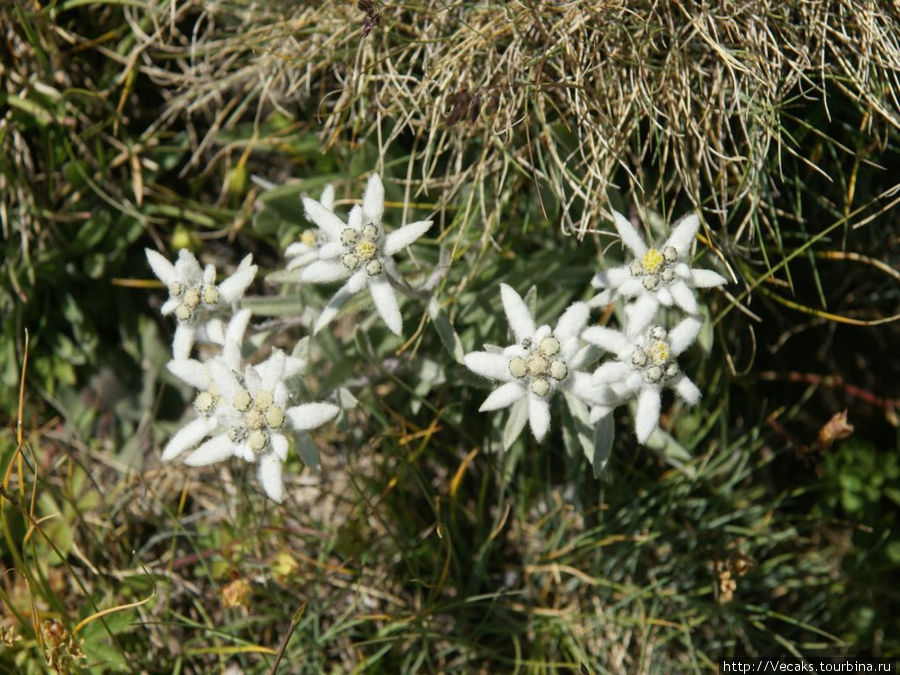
<point x="659" y="352"/>
<point x="308" y="238"/>
<point x="366" y="249"/>
<point x="652" y="260"/>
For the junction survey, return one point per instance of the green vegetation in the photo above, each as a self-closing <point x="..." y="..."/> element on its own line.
<point x="762" y="527"/>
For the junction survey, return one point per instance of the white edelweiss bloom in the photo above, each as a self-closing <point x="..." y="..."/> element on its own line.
<point x="657" y="277"/>
<point x="305" y="251"/>
<point x="540" y="363"/>
<point x="196" y="300"/>
<point x="644" y="364"/>
<point x="252" y="417"/>
<point x="360" y="252"/>
<point x="196" y="373"/>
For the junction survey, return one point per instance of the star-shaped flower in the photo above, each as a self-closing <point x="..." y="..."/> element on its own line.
<point x="540" y="363"/>
<point x="251" y="415"/>
<point x="305" y="251"/>
<point x="196" y="373"/>
<point x="657" y="277"/>
<point x="644" y="364"/>
<point x="196" y="300"/>
<point x="360" y="252"/>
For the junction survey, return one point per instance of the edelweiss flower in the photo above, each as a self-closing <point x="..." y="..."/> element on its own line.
<point x="251" y="410"/>
<point x="644" y="364"/>
<point x="305" y="251"/>
<point x="657" y="276"/>
<point x="196" y="374"/>
<point x="360" y="252"/>
<point x="196" y="300"/>
<point x="542" y="362"/>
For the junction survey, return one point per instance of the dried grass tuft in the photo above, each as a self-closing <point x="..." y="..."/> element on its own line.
<point x="679" y="99"/>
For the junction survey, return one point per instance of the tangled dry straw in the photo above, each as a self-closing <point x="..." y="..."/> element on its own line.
<point x="678" y="98"/>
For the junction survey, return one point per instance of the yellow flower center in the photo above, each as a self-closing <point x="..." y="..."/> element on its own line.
<point x="659" y="352"/>
<point x="652" y="260"/>
<point x="366" y="249"/>
<point x="308" y="238"/>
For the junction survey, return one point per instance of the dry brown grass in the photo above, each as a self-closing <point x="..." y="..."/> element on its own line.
<point x="674" y="100"/>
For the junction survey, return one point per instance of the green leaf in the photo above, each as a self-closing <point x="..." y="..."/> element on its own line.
<point x="445" y="331"/>
<point x="517" y="420"/>
<point x="281" y="305"/>
<point x="307" y="450"/>
<point x="604" y="434"/>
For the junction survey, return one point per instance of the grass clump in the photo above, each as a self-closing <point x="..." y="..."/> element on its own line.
<point x="418" y="546"/>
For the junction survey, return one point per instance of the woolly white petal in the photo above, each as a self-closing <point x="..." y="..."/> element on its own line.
<point x="517" y="313"/>
<point x="311" y="415"/>
<point x="356" y="282"/>
<point x="503" y="396"/>
<point x="234" y="339"/>
<point x="324" y="272"/>
<point x="687" y="390"/>
<point x="252" y="380"/>
<point x="707" y="279"/>
<point x="330" y="250"/>
<point x="188" y="268"/>
<point x="584" y="387"/>
<point x="616" y="276"/>
<point x="331" y="309"/>
<point x="225" y="380"/>
<point x="572" y="321"/>
<point x="188" y="436"/>
<point x="373" y="199"/>
<point x="232" y="289"/>
<point x="355" y="218"/>
<point x="209" y="275"/>
<point x="683" y="335"/>
<point x="599" y="280"/>
<point x="598" y="412"/>
<point x="161" y="267"/>
<point x="271" y="370"/>
<point x="630" y="236"/>
<point x="215" y="331"/>
<point x="486" y="364"/>
<point x="631" y="287"/>
<point x="664" y="297"/>
<point x="297" y="248"/>
<point x="538" y="417"/>
<point x="647" y="417"/>
<point x="191" y="371"/>
<point x="280" y="446"/>
<point x="326" y="199"/>
<point x="270" y="476"/>
<point x="214" y="450"/>
<point x="606" y="338"/>
<point x="183" y="341"/>
<point x="386" y="304"/>
<point x="400" y="239"/>
<point x="611" y="371"/>
<point x="169" y="306"/>
<point x="683" y="233"/>
<point x="329" y="223"/>
<point x="641" y="313"/>
<point x="683" y="296"/>
<point x="301" y="260"/>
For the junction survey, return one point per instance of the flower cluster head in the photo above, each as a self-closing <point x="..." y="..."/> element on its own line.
<point x="657" y="276"/>
<point x="360" y="252"/>
<point x="541" y="362"/>
<point x="644" y="354"/>
<point x="198" y="303"/>
<point x="244" y="410"/>
<point x="644" y="364"/>
<point x="302" y="253"/>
